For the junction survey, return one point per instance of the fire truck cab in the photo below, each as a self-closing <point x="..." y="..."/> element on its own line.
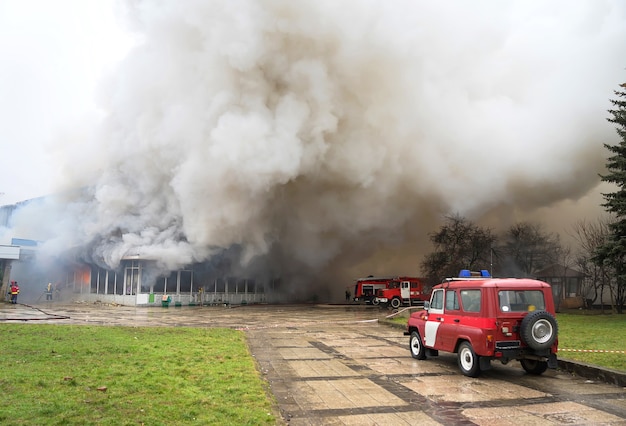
<point x="365" y="288"/>
<point x="403" y="291"/>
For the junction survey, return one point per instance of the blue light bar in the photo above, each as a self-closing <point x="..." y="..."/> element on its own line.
<point x="485" y="273"/>
<point x="465" y="273"/>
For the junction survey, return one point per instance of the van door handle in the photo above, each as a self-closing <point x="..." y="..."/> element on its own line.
<point x="439" y="319"/>
<point x="457" y="320"/>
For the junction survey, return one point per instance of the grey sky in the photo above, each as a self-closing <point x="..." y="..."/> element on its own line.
<point x="53" y="54"/>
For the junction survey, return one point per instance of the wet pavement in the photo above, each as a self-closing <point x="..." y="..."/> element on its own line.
<point x="337" y="365"/>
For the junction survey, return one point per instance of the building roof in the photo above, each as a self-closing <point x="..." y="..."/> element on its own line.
<point x="556" y="270"/>
<point x="9" y="252"/>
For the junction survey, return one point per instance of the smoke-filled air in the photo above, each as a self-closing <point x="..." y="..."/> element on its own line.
<point x="324" y="140"/>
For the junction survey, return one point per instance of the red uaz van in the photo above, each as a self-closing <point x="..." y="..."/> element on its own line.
<point x="483" y="319"/>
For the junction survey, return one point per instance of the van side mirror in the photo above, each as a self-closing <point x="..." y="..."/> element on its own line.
<point x="426" y="305"/>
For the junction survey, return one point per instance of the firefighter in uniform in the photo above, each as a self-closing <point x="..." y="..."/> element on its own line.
<point x="15" y="290"/>
<point x="49" y="291"/>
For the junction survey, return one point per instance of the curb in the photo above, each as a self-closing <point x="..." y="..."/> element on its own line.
<point x="587" y="371"/>
<point x="593" y="372"/>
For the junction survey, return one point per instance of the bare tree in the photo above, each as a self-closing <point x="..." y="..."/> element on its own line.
<point x="459" y="244"/>
<point x="526" y="248"/>
<point x="589" y="237"/>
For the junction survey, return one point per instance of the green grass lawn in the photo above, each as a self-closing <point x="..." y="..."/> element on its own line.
<point x="588" y="332"/>
<point x="86" y="375"/>
<point x="593" y="332"/>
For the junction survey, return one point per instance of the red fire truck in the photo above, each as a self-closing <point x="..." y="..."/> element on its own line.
<point x="365" y="288"/>
<point x="403" y="291"/>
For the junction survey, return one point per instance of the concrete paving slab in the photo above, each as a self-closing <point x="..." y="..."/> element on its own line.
<point x="569" y="412"/>
<point x="373" y="352"/>
<point x="413" y="418"/>
<point x="321" y="368"/>
<point x="291" y="342"/>
<point x="302" y="353"/>
<point x="343" y="394"/>
<point x="464" y="389"/>
<point x="399" y="366"/>
<point x="504" y="416"/>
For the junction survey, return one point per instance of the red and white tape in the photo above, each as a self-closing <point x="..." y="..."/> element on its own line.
<point x="592" y="350"/>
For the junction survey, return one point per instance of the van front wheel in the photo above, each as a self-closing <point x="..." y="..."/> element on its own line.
<point x="417" y="347"/>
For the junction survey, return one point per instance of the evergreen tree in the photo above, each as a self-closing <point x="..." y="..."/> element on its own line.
<point x="612" y="253"/>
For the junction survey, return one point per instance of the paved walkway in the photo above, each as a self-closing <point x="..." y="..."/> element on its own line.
<point x="340" y="366"/>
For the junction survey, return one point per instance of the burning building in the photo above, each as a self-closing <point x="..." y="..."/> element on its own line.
<point x="137" y="281"/>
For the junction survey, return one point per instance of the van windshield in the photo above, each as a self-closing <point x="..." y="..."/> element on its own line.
<point x="521" y="300"/>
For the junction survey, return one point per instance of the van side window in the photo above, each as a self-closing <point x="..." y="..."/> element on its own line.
<point x="452" y="301"/>
<point x="436" y="301"/>
<point x="470" y="300"/>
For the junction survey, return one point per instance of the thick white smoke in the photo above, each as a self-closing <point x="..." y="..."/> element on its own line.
<point x="323" y="133"/>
